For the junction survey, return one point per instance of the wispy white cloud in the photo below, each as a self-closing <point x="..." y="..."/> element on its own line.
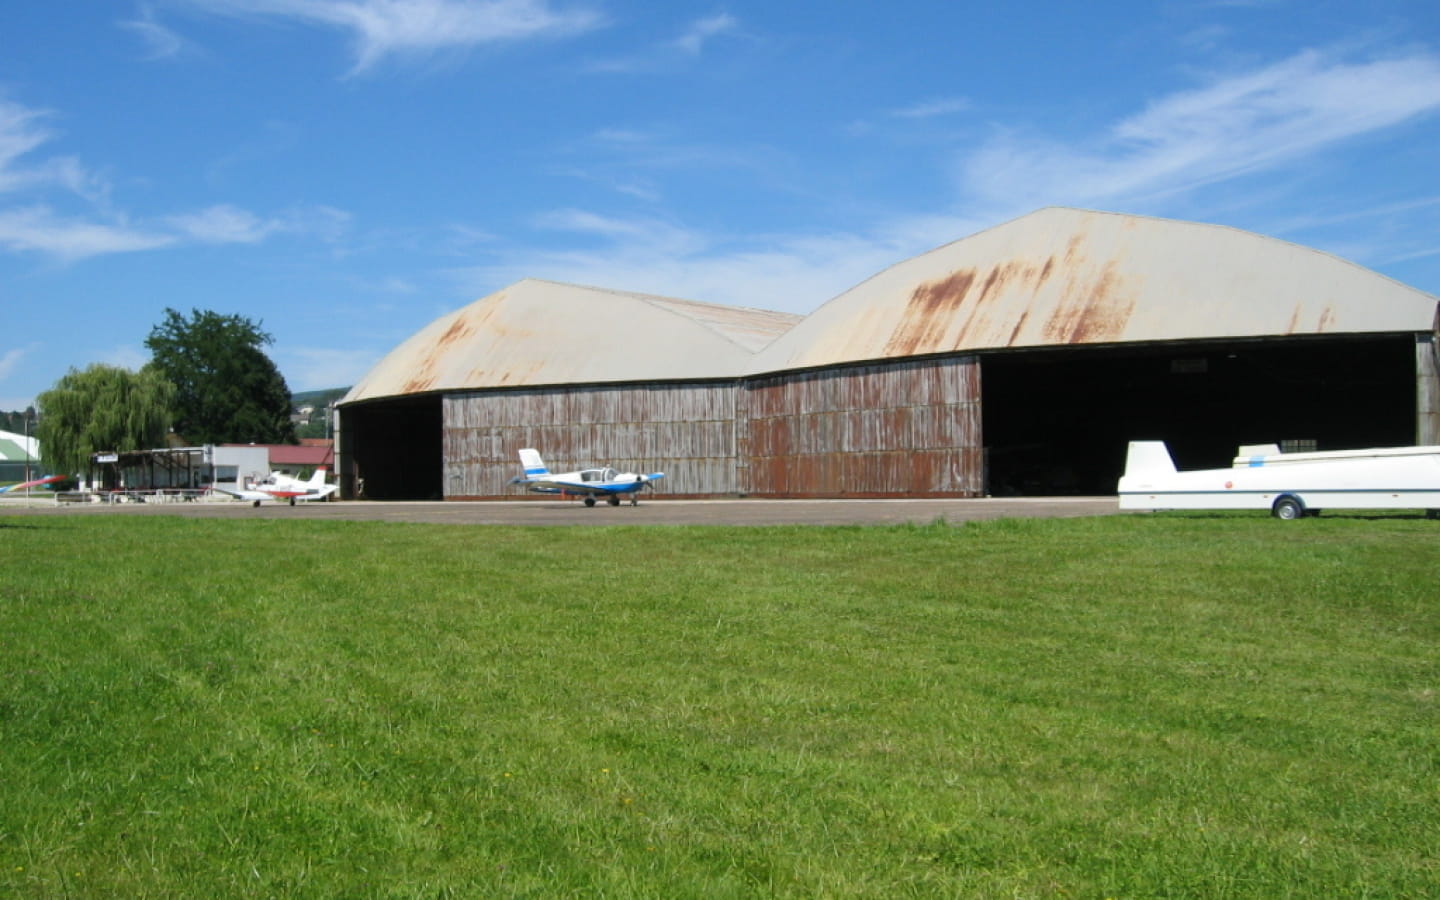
<point x="33" y="224"/>
<point x="934" y="108"/>
<point x="22" y="131"/>
<point x="10" y="359"/>
<point x="36" y="226"/>
<point x="634" y="158"/>
<point x="1232" y="126"/>
<point x="227" y="224"/>
<point x="1236" y="125"/>
<point x="383" y="28"/>
<point x="126" y="356"/>
<point x="160" y="42"/>
<point x="317" y="368"/>
<point x="793" y="272"/>
<point x="701" y="31"/>
<point x="929" y="109"/>
<point x="659" y="236"/>
<point x="689" y="44"/>
<point x="224" y="224"/>
<point x="1321" y="219"/>
<point x="40" y="229"/>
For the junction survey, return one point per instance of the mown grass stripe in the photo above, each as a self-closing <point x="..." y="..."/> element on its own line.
<point x="1121" y="706"/>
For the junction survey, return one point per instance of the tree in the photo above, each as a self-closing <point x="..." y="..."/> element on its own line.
<point x="102" y="408"/>
<point x="14" y="421"/>
<point x="227" y="389"/>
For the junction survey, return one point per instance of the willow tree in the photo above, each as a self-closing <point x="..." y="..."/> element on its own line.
<point x="102" y="408"/>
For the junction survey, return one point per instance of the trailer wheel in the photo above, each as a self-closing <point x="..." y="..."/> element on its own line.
<point x="1287" y="507"/>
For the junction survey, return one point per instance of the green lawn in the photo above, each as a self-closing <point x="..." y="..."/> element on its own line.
<point x="1155" y="706"/>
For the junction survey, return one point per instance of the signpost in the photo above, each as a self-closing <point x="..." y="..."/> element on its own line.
<point x="29" y="414"/>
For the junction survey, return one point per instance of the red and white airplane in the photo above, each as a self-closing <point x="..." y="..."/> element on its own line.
<point x="280" y="486"/>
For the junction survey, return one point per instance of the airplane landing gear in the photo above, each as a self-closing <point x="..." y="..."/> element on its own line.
<point x="613" y="499"/>
<point x="589" y="501"/>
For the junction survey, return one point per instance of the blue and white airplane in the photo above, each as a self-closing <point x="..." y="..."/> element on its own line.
<point x="587" y="483"/>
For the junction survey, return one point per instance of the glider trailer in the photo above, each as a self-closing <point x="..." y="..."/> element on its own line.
<point x="1290" y="485"/>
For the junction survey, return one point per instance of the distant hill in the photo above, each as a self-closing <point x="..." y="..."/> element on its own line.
<point x="317" y="399"/>
<point x="315" y="426"/>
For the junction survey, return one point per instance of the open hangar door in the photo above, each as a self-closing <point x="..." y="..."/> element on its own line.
<point x="1057" y="421"/>
<point x="391" y="449"/>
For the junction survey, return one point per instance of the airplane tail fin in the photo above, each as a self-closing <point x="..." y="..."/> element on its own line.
<point x="531" y="462"/>
<point x="317" y="480"/>
<point x="1147" y="459"/>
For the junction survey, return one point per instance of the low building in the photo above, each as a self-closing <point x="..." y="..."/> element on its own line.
<point x="177" y="468"/>
<point x="292" y="459"/>
<point x="19" y="457"/>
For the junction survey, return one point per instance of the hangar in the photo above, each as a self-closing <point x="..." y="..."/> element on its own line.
<point x="1016" y="361"/>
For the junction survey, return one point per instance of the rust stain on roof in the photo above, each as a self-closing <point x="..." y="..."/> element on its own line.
<point x="510" y="376"/>
<point x="457" y="342"/>
<point x="950" y="314"/>
<point x="416" y="385"/>
<point x="427" y="370"/>
<point x="1092" y="313"/>
<point x="929" y="311"/>
<point x="1019" y="326"/>
<point x="1294" y="324"/>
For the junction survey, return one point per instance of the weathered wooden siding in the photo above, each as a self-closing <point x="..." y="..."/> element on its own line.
<point x="686" y="431"/>
<point x="894" y="429"/>
<point x="880" y="430"/>
<point x="1427" y="390"/>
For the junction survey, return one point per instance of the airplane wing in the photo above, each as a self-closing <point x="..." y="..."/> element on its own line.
<point x="626" y="484"/>
<point x="240" y="493"/>
<point x="48" y="479"/>
<point x="553" y="485"/>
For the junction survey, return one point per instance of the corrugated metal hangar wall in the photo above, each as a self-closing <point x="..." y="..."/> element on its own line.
<point x="1032" y="422"/>
<point x="685" y="430"/>
<point x="882" y="430"/>
<point x="902" y="428"/>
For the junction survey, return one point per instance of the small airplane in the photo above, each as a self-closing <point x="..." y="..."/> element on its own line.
<point x="26" y="485"/>
<point x="589" y="483"/>
<point x="280" y="486"/>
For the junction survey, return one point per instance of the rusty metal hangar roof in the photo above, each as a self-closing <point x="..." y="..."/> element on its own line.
<point x="1067" y="276"/>
<point x="1055" y="277"/>
<point x="543" y="333"/>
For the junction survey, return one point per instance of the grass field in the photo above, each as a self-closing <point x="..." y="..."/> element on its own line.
<point x="1119" y="707"/>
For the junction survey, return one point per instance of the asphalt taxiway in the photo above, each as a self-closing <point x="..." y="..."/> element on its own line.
<point x="551" y="511"/>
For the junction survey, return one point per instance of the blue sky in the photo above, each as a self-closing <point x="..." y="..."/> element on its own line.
<point x="345" y="171"/>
